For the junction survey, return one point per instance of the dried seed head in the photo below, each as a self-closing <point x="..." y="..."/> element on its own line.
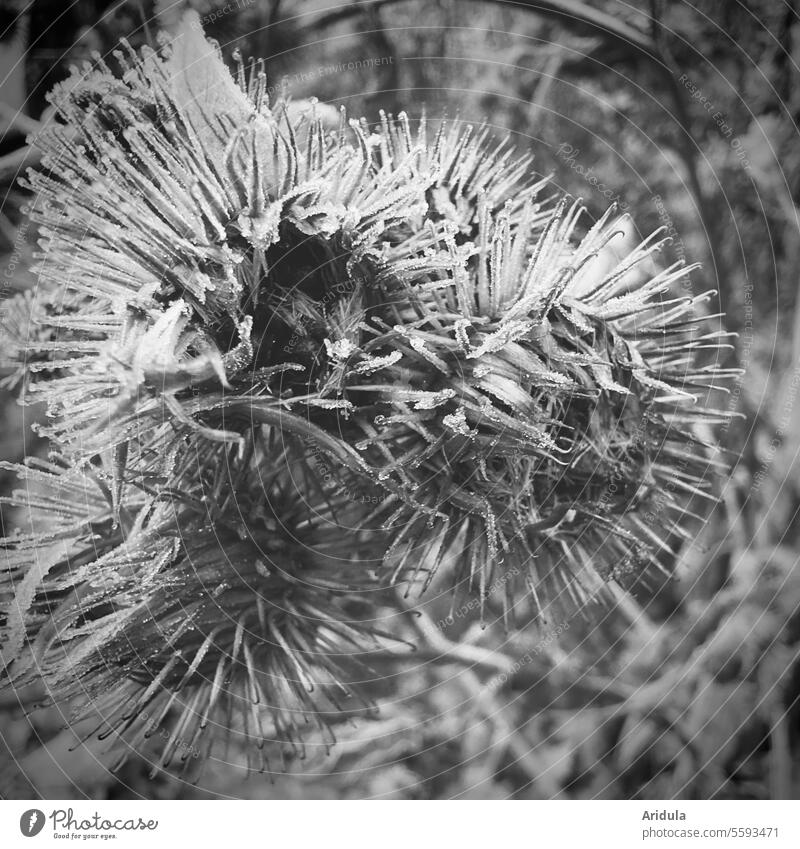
<point x="242" y="320"/>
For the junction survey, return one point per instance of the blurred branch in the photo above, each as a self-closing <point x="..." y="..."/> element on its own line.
<point x="468" y="656"/>
<point x="148" y="33"/>
<point x="24" y="697"/>
<point x="372" y="20"/>
<point x="13" y="119"/>
<point x="687" y="147"/>
<point x="13" y="164"/>
<point x="548" y="76"/>
<point x="438" y="648"/>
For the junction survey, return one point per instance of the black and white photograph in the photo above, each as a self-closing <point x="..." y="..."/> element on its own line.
<point x="400" y="400"/>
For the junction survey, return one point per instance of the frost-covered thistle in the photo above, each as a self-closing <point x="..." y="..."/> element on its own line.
<point x="539" y="419"/>
<point x="244" y="320"/>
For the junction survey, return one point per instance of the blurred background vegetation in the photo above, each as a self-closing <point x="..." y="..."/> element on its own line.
<point x="686" y="113"/>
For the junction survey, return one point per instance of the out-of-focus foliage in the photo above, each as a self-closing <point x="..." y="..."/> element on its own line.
<point x="691" y="689"/>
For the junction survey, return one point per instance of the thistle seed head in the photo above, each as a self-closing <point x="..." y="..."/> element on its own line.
<point x="243" y="319"/>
